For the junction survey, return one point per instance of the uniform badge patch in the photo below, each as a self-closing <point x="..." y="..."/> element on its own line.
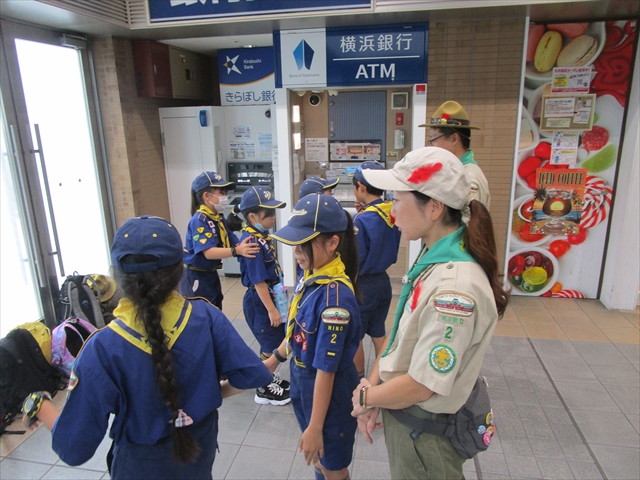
<point x="474" y="187"/>
<point x="73" y="381"/>
<point x="298" y="338"/>
<point x="454" y="304"/>
<point x="200" y="229"/>
<point x="336" y="316"/>
<point x="210" y="224"/>
<point x="442" y="358"/>
<point x="203" y="241"/>
<point x="208" y="234"/>
<point x="262" y="241"/>
<point x="196" y="237"/>
<point x="331" y="354"/>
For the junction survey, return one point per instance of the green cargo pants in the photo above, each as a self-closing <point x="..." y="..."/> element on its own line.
<point x="426" y="457"/>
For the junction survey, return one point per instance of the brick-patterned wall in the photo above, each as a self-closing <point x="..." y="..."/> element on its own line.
<point x="132" y="133"/>
<point x="477" y="63"/>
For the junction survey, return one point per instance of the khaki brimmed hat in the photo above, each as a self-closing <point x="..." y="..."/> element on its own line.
<point x="105" y="284"/>
<point x="450" y="114"/>
<point x="432" y="171"/>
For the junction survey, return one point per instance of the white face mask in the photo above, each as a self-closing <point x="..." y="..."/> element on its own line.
<point x="223" y="203"/>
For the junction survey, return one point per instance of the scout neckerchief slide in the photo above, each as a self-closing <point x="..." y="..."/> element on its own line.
<point x="447" y="249"/>
<point x="384" y="210"/>
<point x="216" y="217"/>
<point x="334" y="271"/>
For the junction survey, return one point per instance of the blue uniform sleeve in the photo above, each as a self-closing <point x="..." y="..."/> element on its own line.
<point x="234" y="359"/>
<point x="204" y="233"/>
<point x="333" y="331"/>
<point x="362" y="241"/>
<point x="84" y="420"/>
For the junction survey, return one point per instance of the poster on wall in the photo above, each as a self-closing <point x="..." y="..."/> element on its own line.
<point x="556" y="262"/>
<point x="557" y="201"/>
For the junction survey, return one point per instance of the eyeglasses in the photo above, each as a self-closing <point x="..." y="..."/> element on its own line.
<point x="430" y="141"/>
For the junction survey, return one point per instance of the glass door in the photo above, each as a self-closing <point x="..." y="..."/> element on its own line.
<point x="51" y="109"/>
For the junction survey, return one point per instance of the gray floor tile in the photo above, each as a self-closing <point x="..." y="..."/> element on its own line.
<point x="595" y="353"/>
<point x="492" y="476"/>
<point x="500" y="395"/>
<point x="635" y="421"/>
<point x="575" y="451"/>
<point x="11" y="469"/>
<point x="60" y="473"/>
<point x="566" y="433"/>
<point x="106" y="476"/>
<point x="522" y="466"/>
<point x="515" y="445"/>
<point x="510" y="426"/>
<point x="632" y="352"/>
<point x="493" y="463"/>
<point x="39" y="443"/>
<point x="557" y="415"/>
<point x="572" y="369"/>
<point x="546" y="448"/>
<point x="519" y="384"/>
<point x="584" y="470"/>
<point x="524" y="397"/>
<point x="627" y="397"/>
<point x="587" y="396"/>
<point x="548" y="349"/>
<point x="533" y="413"/>
<point x="370" y="469"/>
<point x="618" y="462"/>
<point x="514" y="372"/>
<point x="234" y="425"/>
<point x="376" y="451"/>
<point x="300" y="470"/>
<point x="555" y="468"/>
<point x="224" y="459"/>
<point x="260" y="463"/>
<point x="470" y="465"/>
<point x="616" y="374"/>
<point x="606" y="429"/>
<point x="548" y="399"/>
<point x="242" y="401"/>
<point x="99" y="460"/>
<point x="541" y="429"/>
<point x="267" y="427"/>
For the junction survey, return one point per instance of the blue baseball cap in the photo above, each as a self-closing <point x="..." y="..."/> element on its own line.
<point x="149" y="236"/>
<point x="313" y="215"/>
<point x="368" y="165"/>
<point x="259" y="197"/>
<point x="316" y="185"/>
<point x="210" y="179"/>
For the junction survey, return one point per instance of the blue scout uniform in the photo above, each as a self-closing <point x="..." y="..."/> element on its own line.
<point x="206" y="230"/>
<point x="115" y="374"/>
<point x="378" y="240"/>
<point x="324" y="331"/>
<point x="263" y="268"/>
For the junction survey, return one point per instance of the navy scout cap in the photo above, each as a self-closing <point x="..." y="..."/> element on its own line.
<point x="316" y="184"/>
<point x="210" y="179"/>
<point x="259" y="197"/>
<point x="313" y="215"/>
<point x="368" y="165"/>
<point x="153" y="236"/>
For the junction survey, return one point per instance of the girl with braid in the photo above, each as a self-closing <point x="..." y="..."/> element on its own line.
<point x="156" y="368"/>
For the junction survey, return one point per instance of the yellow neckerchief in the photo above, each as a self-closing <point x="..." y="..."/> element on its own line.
<point x="383" y="209"/>
<point x="175" y="315"/>
<point x="216" y="217"/>
<point x="264" y="235"/>
<point x="331" y="272"/>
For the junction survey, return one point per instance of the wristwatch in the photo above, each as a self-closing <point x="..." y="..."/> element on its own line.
<point x="363" y="397"/>
<point x="233" y="251"/>
<point x="32" y="404"/>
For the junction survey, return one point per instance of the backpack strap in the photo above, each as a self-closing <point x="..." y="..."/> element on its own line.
<point x="94" y="313"/>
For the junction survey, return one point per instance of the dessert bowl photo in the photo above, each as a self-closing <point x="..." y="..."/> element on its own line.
<point x="532" y="271"/>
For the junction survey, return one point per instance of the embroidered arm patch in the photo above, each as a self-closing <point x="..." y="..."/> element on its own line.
<point x="456" y="304"/>
<point x="336" y="316"/>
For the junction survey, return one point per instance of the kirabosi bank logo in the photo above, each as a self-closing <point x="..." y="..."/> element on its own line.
<point x="303" y="55"/>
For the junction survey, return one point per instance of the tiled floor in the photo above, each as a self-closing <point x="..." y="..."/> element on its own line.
<point x="564" y="379"/>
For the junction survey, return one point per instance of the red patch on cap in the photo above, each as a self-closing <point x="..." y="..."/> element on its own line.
<point x="446" y="116"/>
<point x="423" y="174"/>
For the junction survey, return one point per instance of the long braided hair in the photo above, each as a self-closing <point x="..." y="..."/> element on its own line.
<point x="148" y="291"/>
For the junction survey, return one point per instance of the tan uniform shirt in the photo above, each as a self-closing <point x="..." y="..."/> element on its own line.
<point x="479" y="185"/>
<point x="443" y="334"/>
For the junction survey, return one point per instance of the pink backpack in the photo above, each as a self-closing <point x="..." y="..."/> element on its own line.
<point x="67" y="340"/>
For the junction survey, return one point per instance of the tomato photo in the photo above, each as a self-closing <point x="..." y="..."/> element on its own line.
<point x="559" y="248"/>
<point x="579" y="238"/>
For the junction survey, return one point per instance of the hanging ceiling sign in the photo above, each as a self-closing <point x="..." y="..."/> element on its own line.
<point x="247" y="76"/>
<point x="352" y="56"/>
<point x="162" y="11"/>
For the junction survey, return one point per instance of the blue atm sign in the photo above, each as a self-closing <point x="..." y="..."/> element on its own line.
<point x="180" y="10"/>
<point x="377" y="55"/>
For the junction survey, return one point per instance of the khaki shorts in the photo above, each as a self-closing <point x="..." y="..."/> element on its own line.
<point x="426" y="457"/>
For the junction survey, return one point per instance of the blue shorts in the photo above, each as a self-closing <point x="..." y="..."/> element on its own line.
<point x="195" y="283"/>
<point x="374" y="306"/>
<point x="156" y="461"/>
<point x="258" y="320"/>
<point x="338" y="432"/>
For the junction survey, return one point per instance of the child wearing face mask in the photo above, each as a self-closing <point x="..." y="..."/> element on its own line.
<point x="209" y="239"/>
<point x="261" y="275"/>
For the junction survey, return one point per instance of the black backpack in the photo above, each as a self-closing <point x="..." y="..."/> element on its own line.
<point x="23" y="370"/>
<point x="79" y="298"/>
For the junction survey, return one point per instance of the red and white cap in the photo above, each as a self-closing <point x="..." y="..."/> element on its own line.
<point x="432" y="171"/>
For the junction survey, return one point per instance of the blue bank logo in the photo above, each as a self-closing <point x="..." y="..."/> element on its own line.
<point x="303" y="55"/>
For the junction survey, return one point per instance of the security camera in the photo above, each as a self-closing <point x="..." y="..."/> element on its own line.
<point x="315" y="100"/>
<point x="268" y="113"/>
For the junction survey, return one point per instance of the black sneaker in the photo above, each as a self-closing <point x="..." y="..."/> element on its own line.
<point x="272" y="394"/>
<point x="277" y="379"/>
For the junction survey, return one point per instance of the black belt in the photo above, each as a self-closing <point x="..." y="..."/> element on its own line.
<point x="196" y="269"/>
